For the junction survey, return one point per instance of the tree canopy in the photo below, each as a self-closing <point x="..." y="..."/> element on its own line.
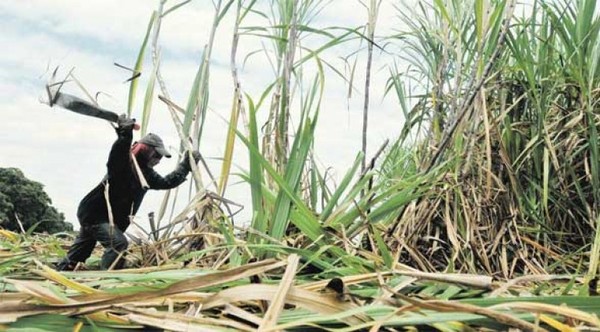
<point x="26" y="200"/>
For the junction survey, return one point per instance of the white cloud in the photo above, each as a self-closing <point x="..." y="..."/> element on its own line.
<point x="107" y="21"/>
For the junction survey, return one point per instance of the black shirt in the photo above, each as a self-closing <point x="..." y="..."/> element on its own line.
<point x="124" y="188"/>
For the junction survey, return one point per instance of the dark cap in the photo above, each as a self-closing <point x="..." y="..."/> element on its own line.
<point x="156" y="142"/>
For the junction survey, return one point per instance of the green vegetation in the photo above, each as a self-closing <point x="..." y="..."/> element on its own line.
<point x="483" y="214"/>
<point x="25" y="206"/>
<point x="513" y="103"/>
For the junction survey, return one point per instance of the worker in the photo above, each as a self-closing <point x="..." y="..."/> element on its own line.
<point x="105" y="212"/>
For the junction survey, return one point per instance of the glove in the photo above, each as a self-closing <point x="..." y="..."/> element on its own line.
<point x="186" y="162"/>
<point x="124" y="123"/>
<point x="196" y="156"/>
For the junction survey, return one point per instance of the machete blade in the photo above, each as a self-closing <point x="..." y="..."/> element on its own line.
<point x="80" y="106"/>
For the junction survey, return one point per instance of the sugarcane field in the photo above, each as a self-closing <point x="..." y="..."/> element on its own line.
<point x="300" y="165"/>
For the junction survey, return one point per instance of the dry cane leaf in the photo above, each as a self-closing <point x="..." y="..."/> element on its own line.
<point x="309" y="300"/>
<point x="451" y="306"/>
<point x="551" y="309"/>
<point x="151" y="315"/>
<point x="278" y="302"/>
<point x="96" y="302"/>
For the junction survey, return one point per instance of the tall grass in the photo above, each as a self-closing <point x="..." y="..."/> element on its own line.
<point x="510" y="111"/>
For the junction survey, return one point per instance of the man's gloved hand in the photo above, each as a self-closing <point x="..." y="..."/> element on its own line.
<point x="186" y="161"/>
<point x="196" y="155"/>
<point x="125" y="123"/>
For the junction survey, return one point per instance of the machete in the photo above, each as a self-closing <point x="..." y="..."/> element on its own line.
<point x="81" y="106"/>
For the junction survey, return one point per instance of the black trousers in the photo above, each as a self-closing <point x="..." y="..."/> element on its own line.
<point x="111" y="238"/>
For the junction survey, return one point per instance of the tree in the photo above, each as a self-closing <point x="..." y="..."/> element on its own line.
<point x="26" y="200"/>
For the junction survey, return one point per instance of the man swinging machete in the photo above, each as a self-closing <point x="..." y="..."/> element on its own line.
<point x="104" y="213"/>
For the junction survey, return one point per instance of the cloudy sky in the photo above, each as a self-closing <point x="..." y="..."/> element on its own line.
<point x="67" y="152"/>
